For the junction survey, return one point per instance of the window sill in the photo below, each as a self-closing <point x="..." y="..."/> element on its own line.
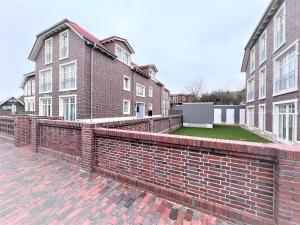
<point x="285" y="92"/>
<point x="262" y="62"/>
<point x="126" y="90"/>
<point x="253" y="71"/>
<point x="126" y="113"/>
<point x="48" y="63"/>
<point x="279" y="47"/>
<point x="250" y="101"/>
<point x="47" y="92"/>
<point x="72" y="89"/>
<point x="142" y="96"/>
<point x="262" y="98"/>
<point x="63" y="58"/>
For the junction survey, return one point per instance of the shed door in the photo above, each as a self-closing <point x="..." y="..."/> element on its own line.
<point x="230" y="116"/>
<point x="242" y="116"/>
<point x="217" y="115"/>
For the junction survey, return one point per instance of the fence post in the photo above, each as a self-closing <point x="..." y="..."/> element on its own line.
<point x="151" y="125"/>
<point x="88" y="147"/>
<point x="22" y="130"/>
<point x="35" y="134"/>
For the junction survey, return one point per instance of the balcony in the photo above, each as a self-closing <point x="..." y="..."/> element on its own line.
<point x="285" y="82"/>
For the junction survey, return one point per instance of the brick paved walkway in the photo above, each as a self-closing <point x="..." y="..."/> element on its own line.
<point x="37" y="189"/>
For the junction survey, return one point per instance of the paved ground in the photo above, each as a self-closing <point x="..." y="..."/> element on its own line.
<point x="36" y="189"/>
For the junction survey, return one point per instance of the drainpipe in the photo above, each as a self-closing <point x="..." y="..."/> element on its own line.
<point x="91" y="81"/>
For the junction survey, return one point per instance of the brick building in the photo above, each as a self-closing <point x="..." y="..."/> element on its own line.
<point x="79" y="76"/>
<point x="179" y="99"/>
<point x="271" y="64"/>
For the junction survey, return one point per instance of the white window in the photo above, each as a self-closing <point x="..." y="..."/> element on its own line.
<point x="285" y="73"/>
<point x="48" y="50"/>
<point x="252" y="60"/>
<point x="26" y="105"/>
<point x="263" y="48"/>
<point x="33" y="86"/>
<point x="64" y="45"/>
<point x="45" y="81"/>
<point x="251" y="89"/>
<point x="262" y="83"/>
<point x="150" y="106"/>
<point x="45" y="107"/>
<point x="152" y="74"/>
<point x="67" y="76"/>
<point x="67" y="107"/>
<point x="126" y="107"/>
<point x="286" y="121"/>
<point x="250" y="116"/>
<point x="279" y="28"/>
<point x="32" y="105"/>
<point x="126" y="83"/>
<point x="29" y="104"/>
<point x="122" y="55"/>
<point x="150" y="91"/>
<point x="29" y="92"/>
<point x="25" y="89"/>
<point x="262" y="117"/>
<point x="140" y="90"/>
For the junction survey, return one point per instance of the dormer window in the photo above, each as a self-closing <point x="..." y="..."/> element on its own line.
<point x="123" y="55"/>
<point x="152" y="74"/>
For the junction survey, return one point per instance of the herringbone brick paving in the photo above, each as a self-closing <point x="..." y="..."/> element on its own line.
<point x="37" y="189"/>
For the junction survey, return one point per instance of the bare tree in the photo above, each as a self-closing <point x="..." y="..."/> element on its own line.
<point x="195" y="88"/>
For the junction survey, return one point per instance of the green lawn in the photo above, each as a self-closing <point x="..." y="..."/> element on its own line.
<point x="221" y="132"/>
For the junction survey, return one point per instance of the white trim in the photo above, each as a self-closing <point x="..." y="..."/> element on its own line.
<point x="43" y="70"/>
<point x="60" y="107"/>
<point x="51" y="51"/>
<point x="40" y="105"/>
<point x="275" y="66"/>
<point x="264" y="115"/>
<point x="60" y="35"/>
<point x="60" y="75"/>
<point x="150" y="92"/>
<point x="284" y="26"/>
<point x="144" y="93"/>
<point x="129" y="110"/>
<point x="252" y="70"/>
<point x="259" y="95"/>
<point x="265" y="33"/>
<point x="129" y="80"/>
<point x="247" y="116"/>
<point x="252" y="77"/>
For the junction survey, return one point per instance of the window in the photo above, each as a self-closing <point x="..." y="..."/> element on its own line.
<point x="286" y="121"/>
<point x="45" y="107"/>
<point x="279" y="28"/>
<point x="29" y="104"/>
<point x="262" y="83"/>
<point x="67" y="107"/>
<point x="48" y="50"/>
<point x="29" y="92"/>
<point x="285" y="72"/>
<point x="252" y="60"/>
<point x="150" y="106"/>
<point x="126" y="107"/>
<point x="32" y="105"/>
<point x="45" y="81"/>
<point x="263" y="48"/>
<point x="251" y="89"/>
<point x="250" y="116"/>
<point x="64" y="45"/>
<point x="126" y="83"/>
<point x="140" y="90"/>
<point x="150" y="91"/>
<point x="33" y="86"/>
<point x="67" y="76"/>
<point x="122" y="55"/>
<point x="152" y="74"/>
<point x="262" y="117"/>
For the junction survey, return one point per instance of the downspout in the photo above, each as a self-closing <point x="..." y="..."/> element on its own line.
<point x="91" y="82"/>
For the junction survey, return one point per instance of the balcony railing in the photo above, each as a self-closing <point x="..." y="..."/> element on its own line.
<point x="285" y="82"/>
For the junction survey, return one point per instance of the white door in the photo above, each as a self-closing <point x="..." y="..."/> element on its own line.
<point x="242" y="116"/>
<point x="230" y="116"/>
<point x="217" y="115"/>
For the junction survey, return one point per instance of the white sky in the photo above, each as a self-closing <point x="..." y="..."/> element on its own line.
<point x="186" y="39"/>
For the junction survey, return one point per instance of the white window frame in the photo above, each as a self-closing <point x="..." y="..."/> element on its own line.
<point x="144" y="88"/>
<point x="251" y="100"/>
<point x="252" y="59"/>
<point x="60" y="75"/>
<point x="284" y="27"/>
<point x="33" y="87"/>
<point x="150" y="91"/>
<point x="129" y="108"/>
<point x="248" y="124"/>
<point x="129" y="83"/>
<point x="275" y="118"/>
<point x="123" y="55"/>
<point x="41" y="105"/>
<point x="265" y="83"/>
<point x="152" y="74"/>
<point x="263" y="128"/>
<point x="46" y="50"/>
<point x="40" y="72"/>
<point x="265" y="35"/>
<point x="276" y="72"/>
<point x="60" y="44"/>
<point x="150" y="106"/>
<point x="61" y="112"/>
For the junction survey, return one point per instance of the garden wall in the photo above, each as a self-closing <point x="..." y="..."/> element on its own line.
<point x="7" y="126"/>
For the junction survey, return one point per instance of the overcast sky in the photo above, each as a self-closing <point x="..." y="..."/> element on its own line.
<point x="186" y="39"/>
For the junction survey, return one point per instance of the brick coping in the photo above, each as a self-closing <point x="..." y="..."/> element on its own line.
<point x="282" y="151"/>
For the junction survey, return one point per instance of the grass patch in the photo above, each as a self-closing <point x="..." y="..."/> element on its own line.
<point x="222" y="132"/>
